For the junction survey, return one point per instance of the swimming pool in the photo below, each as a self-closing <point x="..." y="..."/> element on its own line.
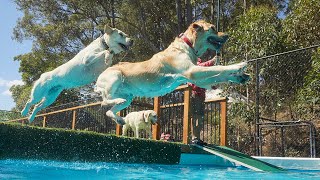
<point x="35" y="169"/>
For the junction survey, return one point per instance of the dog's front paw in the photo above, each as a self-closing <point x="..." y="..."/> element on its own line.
<point x="239" y="78"/>
<point x="108" y="58"/>
<point x="244" y="78"/>
<point x="237" y="68"/>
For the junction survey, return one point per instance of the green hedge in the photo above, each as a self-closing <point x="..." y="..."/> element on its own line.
<point x="26" y="142"/>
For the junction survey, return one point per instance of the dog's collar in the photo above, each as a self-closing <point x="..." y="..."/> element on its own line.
<point x="187" y="41"/>
<point x="105" y="44"/>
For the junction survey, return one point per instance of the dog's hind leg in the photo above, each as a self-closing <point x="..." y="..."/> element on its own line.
<point x="46" y="101"/>
<point x="118" y="107"/>
<point x="39" y="90"/>
<point x="37" y="93"/>
<point x="137" y="132"/>
<point x="26" y="108"/>
<point x="149" y="133"/>
<point x="107" y="86"/>
<point x="125" y="130"/>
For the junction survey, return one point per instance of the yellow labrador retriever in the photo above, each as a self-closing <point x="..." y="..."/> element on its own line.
<point x="138" y="121"/>
<point x="168" y="69"/>
<point x="81" y="70"/>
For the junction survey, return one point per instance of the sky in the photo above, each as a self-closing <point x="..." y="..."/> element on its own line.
<point x="9" y="48"/>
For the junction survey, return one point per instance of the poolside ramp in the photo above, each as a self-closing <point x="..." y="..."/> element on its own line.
<point x="240" y="158"/>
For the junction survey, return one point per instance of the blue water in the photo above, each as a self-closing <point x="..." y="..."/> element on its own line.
<point x="34" y="169"/>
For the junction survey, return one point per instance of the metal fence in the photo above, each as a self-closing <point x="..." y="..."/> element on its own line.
<point x="172" y="114"/>
<point x="281" y="139"/>
<point x="285" y="87"/>
<point x="8" y="115"/>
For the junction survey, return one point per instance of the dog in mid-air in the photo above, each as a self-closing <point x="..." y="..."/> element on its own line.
<point x="168" y="69"/>
<point x="81" y="70"/>
<point x="138" y="121"/>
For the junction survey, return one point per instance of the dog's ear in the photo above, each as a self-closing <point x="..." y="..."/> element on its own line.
<point x="146" y="116"/>
<point x="223" y="36"/>
<point x="197" y="27"/>
<point x="107" y="29"/>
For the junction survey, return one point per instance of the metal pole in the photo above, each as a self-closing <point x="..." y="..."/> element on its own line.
<point x="259" y="145"/>
<point x="257" y="109"/>
<point x="311" y="142"/>
<point x="282" y="142"/>
<point x="217" y="26"/>
<point x="218" y="15"/>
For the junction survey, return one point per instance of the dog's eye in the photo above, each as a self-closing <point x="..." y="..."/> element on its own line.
<point x="121" y="34"/>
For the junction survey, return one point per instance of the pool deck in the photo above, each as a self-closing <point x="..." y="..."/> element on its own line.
<point x="193" y="156"/>
<point x="292" y="162"/>
<point x="283" y="162"/>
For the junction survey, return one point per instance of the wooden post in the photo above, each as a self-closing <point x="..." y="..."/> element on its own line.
<point x="223" y="122"/>
<point x="73" y="120"/>
<point x="156" y="127"/>
<point x="118" y="130"/>
<point x="118" y="127"/>
<point x="186" y="116"/>
<point x="44" y="121"/>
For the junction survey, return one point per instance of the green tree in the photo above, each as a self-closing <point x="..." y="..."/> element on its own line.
<point x="256" y="34"/>
<point x="301" y="28"/>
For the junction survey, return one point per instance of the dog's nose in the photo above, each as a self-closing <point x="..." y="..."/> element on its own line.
<point x="130" y="42"/>
<point x="223" y="36"/>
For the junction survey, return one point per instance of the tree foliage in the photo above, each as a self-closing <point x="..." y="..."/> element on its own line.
<point x="301" y="27"/>
<point x="256" y="33"/>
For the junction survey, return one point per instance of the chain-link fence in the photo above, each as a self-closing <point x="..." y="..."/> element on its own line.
<point x="284" y="87"/>
<point x="8" y="115"/>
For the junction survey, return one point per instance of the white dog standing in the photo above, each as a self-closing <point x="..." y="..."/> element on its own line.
<point x="81" y="70"/>
<point x="138" y="121"/>
<point x="168" y="69"/>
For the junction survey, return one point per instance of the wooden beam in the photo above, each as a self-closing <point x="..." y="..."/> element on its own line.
<point x="171" y="105"/>
<point x="223" y="122"/>
<point x="156" y="127"/>
<point x="182" y="87"/>
<point x="216" y="100"/>
<point x="59" y="111"/>
<point x="83" y="106"/>
<point x="44" y="121"/>
<point x="73" y="120"/>
<point x="119" y="127"/>
<point x="186" y="116"/>
<point x="118" y="130"/>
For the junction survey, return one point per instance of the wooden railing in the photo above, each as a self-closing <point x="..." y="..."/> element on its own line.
<point x="173" y="110"/>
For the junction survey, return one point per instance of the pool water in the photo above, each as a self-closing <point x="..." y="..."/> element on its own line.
<point x="34" y="169"/>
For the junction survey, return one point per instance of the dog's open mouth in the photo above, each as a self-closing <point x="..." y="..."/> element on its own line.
<point x="123" y="46"/>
